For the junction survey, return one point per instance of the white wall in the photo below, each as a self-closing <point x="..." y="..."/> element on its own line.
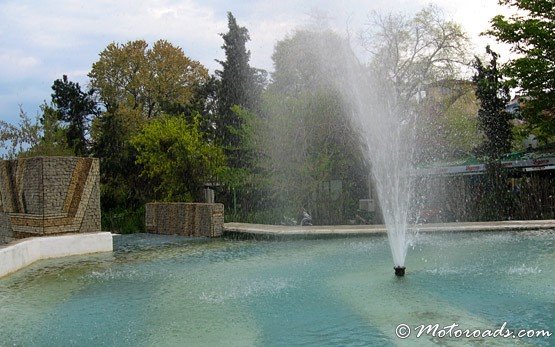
<point x="19" y="254"/>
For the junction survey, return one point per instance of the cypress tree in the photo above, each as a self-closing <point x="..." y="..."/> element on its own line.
<point x="76" y="108"/>
<point x="238" y="85"/>
<point x="493" y="95"/>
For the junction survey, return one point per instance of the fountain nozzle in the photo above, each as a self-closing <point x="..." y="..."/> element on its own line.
<point x="399" y="271"/>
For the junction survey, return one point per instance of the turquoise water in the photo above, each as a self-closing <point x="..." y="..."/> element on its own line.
<point x="159" y="291"/>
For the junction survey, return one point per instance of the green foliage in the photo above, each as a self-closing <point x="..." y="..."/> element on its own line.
<point x="236" y="74"/>
<point x="173" y="153"/>
<point x="310" y="139"/>
<point x="493" y="119"/>
<point x="74" y="107"/>
<point x="124" y="221"/>
<point x="204" y="103"/>
<point x="520" y="135"/>
<point x="32" y="137"/>
<point x="447" y="126"/>
<point x="152" y="80"/>
<point x="245" y="153"/>
<point x="16" y="139"/>
<point x="306" y="62"/>
<point x="246" y="184"/>
<point x="136" y="83"/>
<point x="235" y="121"/>
<point x="54" y="135"/>
<point x="531" y="32"/>
<point x="60" y="130"/>
<point x="462" y="126"/>
<point x="119" y="175"/>
<point x="493" y="95"/>
<point x="239" y="85"/>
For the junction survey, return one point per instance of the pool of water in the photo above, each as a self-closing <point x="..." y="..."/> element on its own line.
<point x="160" y="290"/>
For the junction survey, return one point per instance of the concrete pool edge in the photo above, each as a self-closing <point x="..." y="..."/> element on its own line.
<point x="21" y="253"/>
<point x="264" y="231"/>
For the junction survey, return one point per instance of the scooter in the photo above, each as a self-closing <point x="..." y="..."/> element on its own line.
<point x="306" y="218"/>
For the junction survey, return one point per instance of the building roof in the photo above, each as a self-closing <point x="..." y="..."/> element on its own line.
<point x="540" y="159"/>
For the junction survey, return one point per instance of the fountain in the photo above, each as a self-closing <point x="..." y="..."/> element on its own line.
<point x="176" y="290"/>
<point x="385" y="125"/>
<point x="381" y="123"/>
<point x="172" y="290"/>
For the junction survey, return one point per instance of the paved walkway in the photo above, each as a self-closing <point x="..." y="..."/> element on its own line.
<point x="245" y="230"/>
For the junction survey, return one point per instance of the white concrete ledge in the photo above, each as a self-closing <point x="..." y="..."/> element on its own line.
<point x="21" y="253"/>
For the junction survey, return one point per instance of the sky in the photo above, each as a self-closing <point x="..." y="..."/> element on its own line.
<point x="41" y="40"/>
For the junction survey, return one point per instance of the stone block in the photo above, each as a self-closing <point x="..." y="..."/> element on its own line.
<point x="49" y="195"/>
<point x="188" y="219"/>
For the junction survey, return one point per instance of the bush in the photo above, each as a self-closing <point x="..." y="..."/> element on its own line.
<point x="124" y="221"/>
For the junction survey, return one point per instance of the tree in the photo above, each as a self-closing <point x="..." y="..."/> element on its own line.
<point x="310" y="137"/>
<point x="238" y="101"/>
<point x="174" y="154"/>
<point x="76" y="108"/>
<point x="239" y="85"/>
<point x="447" y="126"/>
<point x="136" y="83"/>
<point x="121" y="185"/>
<point x="53" y="140"/>
<point x="493" y="95"/>
<point x="246" y="187"/>
<point x="493" y="119"/>
<point x="410" y="53"/>
<point x="152" y="80"/>
<point x="307" y="61"/>
<point x="43" y="135"/>
<point x="203" y="103"/>
<point x="531" y="32"/>
<point x="16" y="139"/>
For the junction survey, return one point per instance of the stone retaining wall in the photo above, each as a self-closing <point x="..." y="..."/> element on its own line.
<point x="48" y="195"/>
<point x="188" y="219"/>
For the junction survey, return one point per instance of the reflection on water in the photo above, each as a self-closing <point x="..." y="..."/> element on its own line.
<point x="164" y="290"/>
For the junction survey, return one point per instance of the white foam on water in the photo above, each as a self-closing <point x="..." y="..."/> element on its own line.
<point x="523" y="270"/>
<point x="247" y="290"/>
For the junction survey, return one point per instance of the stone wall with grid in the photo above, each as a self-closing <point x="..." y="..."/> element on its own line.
<point x="188" y="219"/>
<point x="49" y="195"/>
